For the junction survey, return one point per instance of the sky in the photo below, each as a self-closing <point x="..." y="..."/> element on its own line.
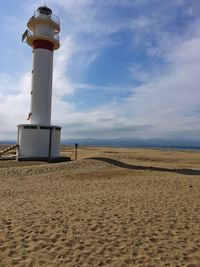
<point x="125" y="68"/>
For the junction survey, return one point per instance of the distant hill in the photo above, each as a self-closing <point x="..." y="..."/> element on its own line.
<point x="7" y="142"/>
<point x="128" y="142"/>
<point x="157" y="143"/>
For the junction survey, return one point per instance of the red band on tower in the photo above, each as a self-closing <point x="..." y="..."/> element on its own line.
<point x="43" y="44"/>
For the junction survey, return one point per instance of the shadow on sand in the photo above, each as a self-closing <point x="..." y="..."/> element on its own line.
<point x="145" y="168"/>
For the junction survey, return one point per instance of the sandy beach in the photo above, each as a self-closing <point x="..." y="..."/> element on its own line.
<point x="112" y="207"/>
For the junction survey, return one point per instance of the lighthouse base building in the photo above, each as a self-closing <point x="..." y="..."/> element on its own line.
<point x="40" y="140"/>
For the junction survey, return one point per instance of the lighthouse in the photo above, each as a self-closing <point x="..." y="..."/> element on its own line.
<point x="39" y="140"/>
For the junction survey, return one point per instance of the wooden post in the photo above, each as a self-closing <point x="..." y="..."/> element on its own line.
<point x="76" y="151"/>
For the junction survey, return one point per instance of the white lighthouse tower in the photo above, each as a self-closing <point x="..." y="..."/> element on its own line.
<point x="40" y="140"/>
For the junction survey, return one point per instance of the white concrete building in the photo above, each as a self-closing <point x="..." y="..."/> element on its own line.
<point x="40" y="139"/>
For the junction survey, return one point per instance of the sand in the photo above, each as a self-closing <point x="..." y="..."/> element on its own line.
<point x="126" y="207"/>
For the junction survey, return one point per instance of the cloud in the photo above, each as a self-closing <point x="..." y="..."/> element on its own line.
<point x="165" y="106"/>
<point x="14" y="104"/>
<point x="61" y="84"/>
<point x="171" y="102"/>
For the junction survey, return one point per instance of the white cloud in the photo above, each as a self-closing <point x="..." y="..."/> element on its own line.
<point x="171" y="102"/>
<point x="61" y="84"/>
<point x="167" y="106"/>
<point x="14" y="105"/>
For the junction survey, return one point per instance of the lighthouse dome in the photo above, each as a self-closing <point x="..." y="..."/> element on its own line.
<point x="44" y="10"/>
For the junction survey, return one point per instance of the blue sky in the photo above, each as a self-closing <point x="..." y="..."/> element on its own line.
<point x="125" y="68"/>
